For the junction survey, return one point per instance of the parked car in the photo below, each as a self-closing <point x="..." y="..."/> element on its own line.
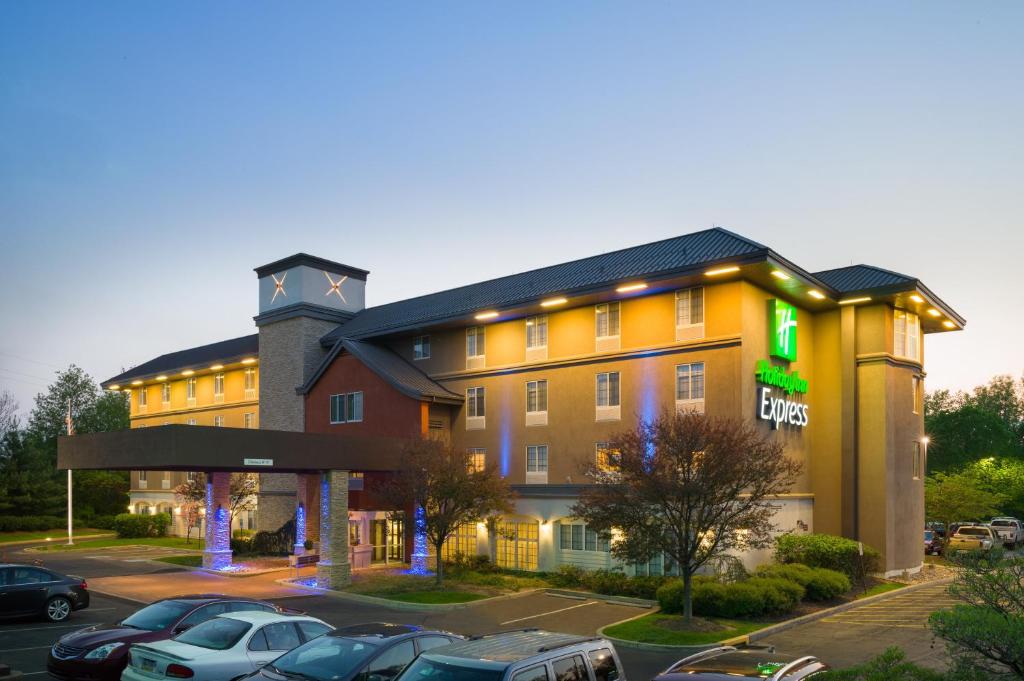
<point x="375" y="651"/>
<point x="932" y="543"/>
<point x="1009" y="530"/>
<point x="937" y="527"/>
<point x="523" y="655"/>
<point x="972" y="538"/>
<point x="100" y="652"/>
<point x="29" y="590"/>
<point x="224" y="648"/>
<point x="729" y="663"/>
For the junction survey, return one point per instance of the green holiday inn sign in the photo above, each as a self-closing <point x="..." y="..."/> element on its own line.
<point x="783" y="330"/>
<point x="782" y="341"/>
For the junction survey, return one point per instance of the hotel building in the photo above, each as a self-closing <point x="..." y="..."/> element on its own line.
<point x="536" y="372"/>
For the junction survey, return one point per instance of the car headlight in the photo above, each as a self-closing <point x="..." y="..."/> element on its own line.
<point x="103" y="652"/>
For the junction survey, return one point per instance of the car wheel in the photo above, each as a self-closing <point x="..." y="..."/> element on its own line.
<point x="58" y="609"/>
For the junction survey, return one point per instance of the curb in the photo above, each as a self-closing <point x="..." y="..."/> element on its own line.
<point x="401" y="605"/>
<point x="32" y="542"/>
<point x="615" y="600"/>
<point x="118" y="597"/>
<point x="235" y="575"/>
<point x="766" y="631"/>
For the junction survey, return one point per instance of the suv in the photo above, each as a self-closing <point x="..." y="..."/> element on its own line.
<point x="972" y="538"/>
<point x="731" y="664"/>
<point x="1009" y="531"/>
<point x="526" y="655"/>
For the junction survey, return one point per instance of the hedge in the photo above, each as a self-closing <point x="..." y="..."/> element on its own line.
<point x="753" y="597"/>
<point x="609" y="582"/>
<point x="820" y="584"/>
<point x="827" y="551"/>
<point x="134" y="525"/>
<point x="31" y="523"/>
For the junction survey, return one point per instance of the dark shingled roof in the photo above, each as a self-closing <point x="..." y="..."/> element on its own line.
<point x="861" y="278"/>
<point x="224" y="351"/>
<point x="648" y="260"/>
<point x="403" y="376"/>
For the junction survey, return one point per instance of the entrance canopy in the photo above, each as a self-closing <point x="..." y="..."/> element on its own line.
<point x="206" y="448"/>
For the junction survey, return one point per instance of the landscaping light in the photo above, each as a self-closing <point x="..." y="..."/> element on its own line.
<point x="486" y="315"/>
<point x="817" y="295"/>
<point x="551" y="302"/>
<point x="854" y="301"/>
<point x="722" y="270"/>
<point x="626" y="288"/>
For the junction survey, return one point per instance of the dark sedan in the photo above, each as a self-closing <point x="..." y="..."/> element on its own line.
<point x="727" y="663"/>
<point x="28" y="590"/>
<point x="371" y="652"/>
<point x="100" y="652"/>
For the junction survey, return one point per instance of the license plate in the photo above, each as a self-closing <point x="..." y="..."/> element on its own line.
<point x="147" y="665"/>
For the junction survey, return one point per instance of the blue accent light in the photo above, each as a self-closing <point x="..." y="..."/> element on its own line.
<point x="325" y="518"/>
<point x="420" y="552"/>
<point x="218" y="535"/>
<point x="300" y="525"/>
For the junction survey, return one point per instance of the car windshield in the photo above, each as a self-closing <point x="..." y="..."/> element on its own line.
<point x="219" y="633"/>
<point x="426" y="669"/>
<point x="973" y="531"/>
<point x="325" y="658"/>
<point x="158" y="616"/>
<point x="1003" y="523"/>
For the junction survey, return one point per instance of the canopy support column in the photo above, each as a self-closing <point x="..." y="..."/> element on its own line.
<point x="217" y="551"/>
<point x="333" y="571"/>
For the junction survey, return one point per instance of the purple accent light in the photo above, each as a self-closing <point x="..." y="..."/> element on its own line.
<point x="420" y="553"/>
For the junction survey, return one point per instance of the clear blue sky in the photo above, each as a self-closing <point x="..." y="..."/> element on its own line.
<point x="151" y="154"/>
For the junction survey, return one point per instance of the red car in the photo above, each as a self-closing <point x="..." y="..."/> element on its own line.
<point x="100" y="652"/>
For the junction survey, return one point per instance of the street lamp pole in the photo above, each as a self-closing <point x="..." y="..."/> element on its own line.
<point x="71" y="431"/>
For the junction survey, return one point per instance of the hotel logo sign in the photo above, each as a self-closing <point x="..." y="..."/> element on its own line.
<point x="783" y="330"/>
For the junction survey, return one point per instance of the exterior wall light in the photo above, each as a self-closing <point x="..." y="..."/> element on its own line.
<point x="933" y="312"/>
<point x="216" y="367"/>
<point x="626" y="288"/>
<point x="161" y="377"/>
<point x="948" y="324"/>
<point x="486" y="315"/>
<point x="854" y="301"/>
<point x="249" y="360"/>
<point x="114" y="387"/>
<point x="551" y="302"/>
<point x="187" y="372"/>
<point x="136" y="382"/>
<point x="722" y="270"/>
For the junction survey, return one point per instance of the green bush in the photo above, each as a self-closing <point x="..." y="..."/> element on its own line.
<point x="820" y="584"/>
<point x="707" y="595"/>
<point x="645" y="586"/>
<point x="241" y="546"/>
<point x="754" y="597"/>
<point x="161" y="521"/>
<point x="31" y="523"/>
<point x="827" y="551"/>
<point x="569" y="576"/>
<point x="134" y="525"/>
<point x="779" y="595"/>
<point x="742" y="599"/>
<point x="891" y="665"/>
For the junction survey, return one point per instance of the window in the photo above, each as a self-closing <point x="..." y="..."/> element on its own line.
<point x="477" y="459"/>
<point x="347" y="407"/>
<point x="537" y="332"/>
<point x="390" y="662"/>
<point x="516" y="547"/>
<point x="604" y="455"/>
<point x="690" y="385"/>
<point x="190" y="476"/>
<point x="142" y="398"/>
<point x="536" y="403"/>
<point x="907" y="331"/>
<point x="915" y="386"/>
<point x="918" y="461"/>
<point x="190" y="390"/>
<point x="607" y="320"/>
<point x="577" y="537"/>
<point x="607" y="396"/>
<point x="143" y="475"/>
<point x="570" y="669"/>
<point x="475" y="409"/>
<point x="354" y="534"/>
<point x="421" y="347"/>
<point x="690" y="306"/>
<point x="249" y="420"/>
<point x="462" y="540"/>
<point x="536" y="464"/>
<point x="250" y="383"/>
<point x="218" y="387"/>
<point x="311" y="630"/>
<point x="281" y="636"/>
<point x="475" y="341"/>
<point x="218" y="421"/>
<point x="356" y="480"/>
<point x="204" y="613"/>
<point x="538" y="673"/>
<point x="165" y="393"/>
<point x="190" y="422"/>
<point x="428" y="642"/>
<point x="30" y="575"/>
<point x="603" y="663"/>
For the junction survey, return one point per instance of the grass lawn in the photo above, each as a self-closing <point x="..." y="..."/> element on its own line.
<point x="185" y="561"/>
<point x="459" y="586"/>
<point x="171" y="542"/>
<point x="879" y="588"/>
<point x="436" y="597"/>
<point x="59" y="534"/>
<point x="663" y="629"/>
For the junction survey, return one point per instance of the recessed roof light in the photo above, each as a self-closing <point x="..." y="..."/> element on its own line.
<point x="487" y="315"/>
<point x="551" y="302"/>
<point x="114" y="387"/>
<point x="779" y="274"/>
<point x="187" y="372"/>
<point x="249" y="360"/>
<point x="916" y="298"/>
<point x="216" y="367"/>
<point x="818" y="295"/>
<point x="854" y="301"/>
<point x="626" y="288"/>
<point x="161" y="377"/>
<point x="933" y="312"/>
<point x="136" y="382"/>
<point x="722" y="270"/>
<point x="948" y="324"/>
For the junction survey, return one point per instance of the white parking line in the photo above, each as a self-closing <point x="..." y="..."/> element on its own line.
<point x="545" y="614"/>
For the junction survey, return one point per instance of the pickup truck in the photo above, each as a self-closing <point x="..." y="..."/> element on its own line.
<point x="972" y="538"/>
<point x="1009" y="531"/>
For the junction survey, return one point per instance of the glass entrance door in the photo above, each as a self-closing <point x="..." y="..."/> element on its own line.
<point x="388" y="541"/>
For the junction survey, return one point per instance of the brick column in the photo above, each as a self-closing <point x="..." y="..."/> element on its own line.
<point x="217" y="551"/>
<point x="333" y="571"/>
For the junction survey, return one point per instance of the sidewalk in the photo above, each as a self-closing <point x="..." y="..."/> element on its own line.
<point x="150" y="587"/>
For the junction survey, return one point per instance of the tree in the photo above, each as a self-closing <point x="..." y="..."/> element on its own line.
<point x="243" y="489"/>
<point x="965" y="427"/>
<point x="434" y="476"/>
<point x="952" y="497"/>
<point x="690" y="487"/>
<point x="985" y="633"/>
<point x="1001" y="476"/>
<point x="8" y="413"/>
<point x="190" y="496"/>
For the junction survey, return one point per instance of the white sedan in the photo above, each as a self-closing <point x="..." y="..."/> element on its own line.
<point x="223" y="648"/>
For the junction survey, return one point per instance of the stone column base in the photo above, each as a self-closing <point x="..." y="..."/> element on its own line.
<point x="216" y="560"/>
<point x="333" y="575"/>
